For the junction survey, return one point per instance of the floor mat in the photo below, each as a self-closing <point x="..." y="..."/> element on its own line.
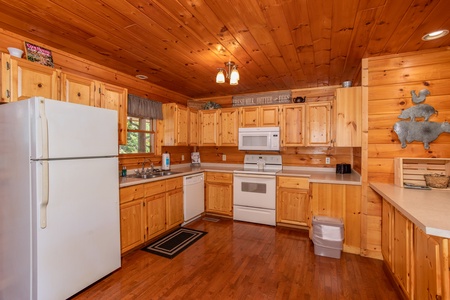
<point x="174" y="243"/>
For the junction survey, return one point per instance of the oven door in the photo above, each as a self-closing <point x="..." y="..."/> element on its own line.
<point x="254" y="190"/>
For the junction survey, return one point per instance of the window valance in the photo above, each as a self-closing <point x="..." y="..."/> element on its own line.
<point x="144" y="108"/>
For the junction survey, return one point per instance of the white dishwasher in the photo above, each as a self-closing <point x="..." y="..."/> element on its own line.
<point x="194" y="197"/>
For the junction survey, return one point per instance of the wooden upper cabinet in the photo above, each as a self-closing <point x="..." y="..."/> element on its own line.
<point x="292" y="129"/>
<point x="318" y="124"/>
<point x="209" y="121"/>
<point x="228" y="127"/>
<point x="260" y="116"/>
<point x="175" y="125"/>
<point x="77" y="89"/>
<point x="193" y="127"/>
<point x="5" y="78"/>
<point x="347" y="117"/>
<point x="116" y="98"/>
<point x="29" y="79"/>
<point x="269" y="116"/>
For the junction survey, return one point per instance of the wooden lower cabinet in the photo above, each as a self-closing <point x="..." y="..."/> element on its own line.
<point x="132" y="223"/>
<point x="219" y="193"/>
<point x="174" y="208"/>
<point x="155" y="211"/>
<point x="293" y="203"/>
<point x="418" y="262"/>
<point x="148" y="210"/>
<point x="402" y="252"/>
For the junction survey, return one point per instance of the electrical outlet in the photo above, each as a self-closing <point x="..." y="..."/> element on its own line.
<point x="224" y="157"/>
<point x="182" y="157"/>
<point x="327" y="160"/>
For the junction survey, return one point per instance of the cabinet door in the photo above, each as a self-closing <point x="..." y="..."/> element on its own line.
<point x="228" y="133"/>
<point x="249" y="116"/>
<point x="131" y="225"/>
<point x="116" y="98"/>
<point x="219" y="198"/>
<point x="5" y="78"/>
<point x="208" y="127"/>
<point x="269" y="116"/>
<point x="182" y="126"/>
<point x="386" y="232"/>
<point x="293" y="206"/>
<point x="193" y="127"/>
<point x="402" y="251"/>
<point x="318" y="124"/>
<point x="428" y="280"/>
<point x="293" y="125"/>
<point x="174" y="208"/>
<point x="77" y="89"/>
<point x="347" y="116"/>
<point x="32" y="79"/>
<point x="155" y="208"/>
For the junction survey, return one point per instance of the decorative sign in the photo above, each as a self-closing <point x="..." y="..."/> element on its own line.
<point x="38" y="54"/>
<point x="278" y="97"/>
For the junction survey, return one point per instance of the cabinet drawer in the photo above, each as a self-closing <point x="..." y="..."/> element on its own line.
<point x="293" y="182"/>
<point x="174" y="183"/>
<point x="219" y="177"/>
<point x="131" y="193"/>
<point x="154" y="188"/>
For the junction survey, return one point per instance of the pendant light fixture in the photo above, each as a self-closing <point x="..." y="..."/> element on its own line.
<point x="231" y="74"/>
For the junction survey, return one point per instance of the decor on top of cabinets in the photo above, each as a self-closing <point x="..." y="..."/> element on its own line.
<point x="39" y="54"/>
<point x="425" y="131"/>
<point x="299" y="99"/>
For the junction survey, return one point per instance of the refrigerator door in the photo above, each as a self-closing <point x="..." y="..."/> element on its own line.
<point x="63" y="130"/>
<point x="81" y="241"/>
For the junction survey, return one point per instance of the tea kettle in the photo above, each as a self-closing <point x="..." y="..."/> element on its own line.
<point x="299" y="99"/>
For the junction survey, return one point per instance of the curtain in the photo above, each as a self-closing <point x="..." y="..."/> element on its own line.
<point x="144" y="108"/>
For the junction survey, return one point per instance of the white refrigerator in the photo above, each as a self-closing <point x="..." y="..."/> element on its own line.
<point x="59" y="198"/>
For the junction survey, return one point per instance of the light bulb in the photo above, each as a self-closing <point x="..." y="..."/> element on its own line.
<point x="234" y="77"/>
<point x="220" y="77"/>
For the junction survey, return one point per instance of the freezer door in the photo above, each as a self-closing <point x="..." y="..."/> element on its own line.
<point x="81" y="241"/>
<point x="63" y="130"/>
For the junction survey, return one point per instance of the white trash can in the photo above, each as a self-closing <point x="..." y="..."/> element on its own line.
<point x="328" y="236"/>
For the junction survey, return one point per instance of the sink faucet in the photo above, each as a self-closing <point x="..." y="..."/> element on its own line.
<point x="143" y="165"/>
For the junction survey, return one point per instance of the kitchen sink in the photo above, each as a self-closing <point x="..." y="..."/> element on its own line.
<point x="152" y="175"/>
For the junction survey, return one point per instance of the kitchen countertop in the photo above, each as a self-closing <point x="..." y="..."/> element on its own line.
<point x="317" y="175"/>
<point x="427" y="209"/>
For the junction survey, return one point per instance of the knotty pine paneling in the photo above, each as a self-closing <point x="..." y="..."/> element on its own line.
<point x="69" y="63"/>
<point x="387" y="86"/>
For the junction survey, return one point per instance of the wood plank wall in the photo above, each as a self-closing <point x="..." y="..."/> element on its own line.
<point x="387" y="82"/>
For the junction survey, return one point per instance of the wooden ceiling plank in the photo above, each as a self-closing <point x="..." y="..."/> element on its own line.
<point x="296" y="14"/>
<point x="320" y="14"/>
<point x="274" y="13"/>
<point x="418" y="10"/>
<point x="439" y="18"/>
<point x="386" y="25"/>
<point x="364" y="23"/>
<point x="342" y="26"/>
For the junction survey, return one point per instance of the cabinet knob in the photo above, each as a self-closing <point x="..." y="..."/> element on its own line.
<point x="79" y="94"/>
<point x="39" y="85"/>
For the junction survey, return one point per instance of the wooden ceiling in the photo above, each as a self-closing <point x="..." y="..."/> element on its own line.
<point x="277" y="44"/>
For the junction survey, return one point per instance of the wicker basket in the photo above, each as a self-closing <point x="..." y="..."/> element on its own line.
<point x="436" y="180"/>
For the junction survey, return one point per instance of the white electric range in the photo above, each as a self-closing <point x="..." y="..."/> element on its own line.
<point x="254" y="190"/>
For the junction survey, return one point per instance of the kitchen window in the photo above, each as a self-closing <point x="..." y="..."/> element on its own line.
<point x="140" y="136"/>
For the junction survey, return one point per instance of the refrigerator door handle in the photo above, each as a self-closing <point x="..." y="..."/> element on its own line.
<point x="45" y="193"/>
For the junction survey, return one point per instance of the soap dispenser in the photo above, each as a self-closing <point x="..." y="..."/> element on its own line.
<point x="165" y="162"/>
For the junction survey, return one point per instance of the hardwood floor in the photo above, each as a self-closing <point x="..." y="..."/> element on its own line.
<point x="237" y="260"/>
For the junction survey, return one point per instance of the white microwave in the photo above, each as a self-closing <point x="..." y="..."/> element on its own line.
<point x="259" y="138"/>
